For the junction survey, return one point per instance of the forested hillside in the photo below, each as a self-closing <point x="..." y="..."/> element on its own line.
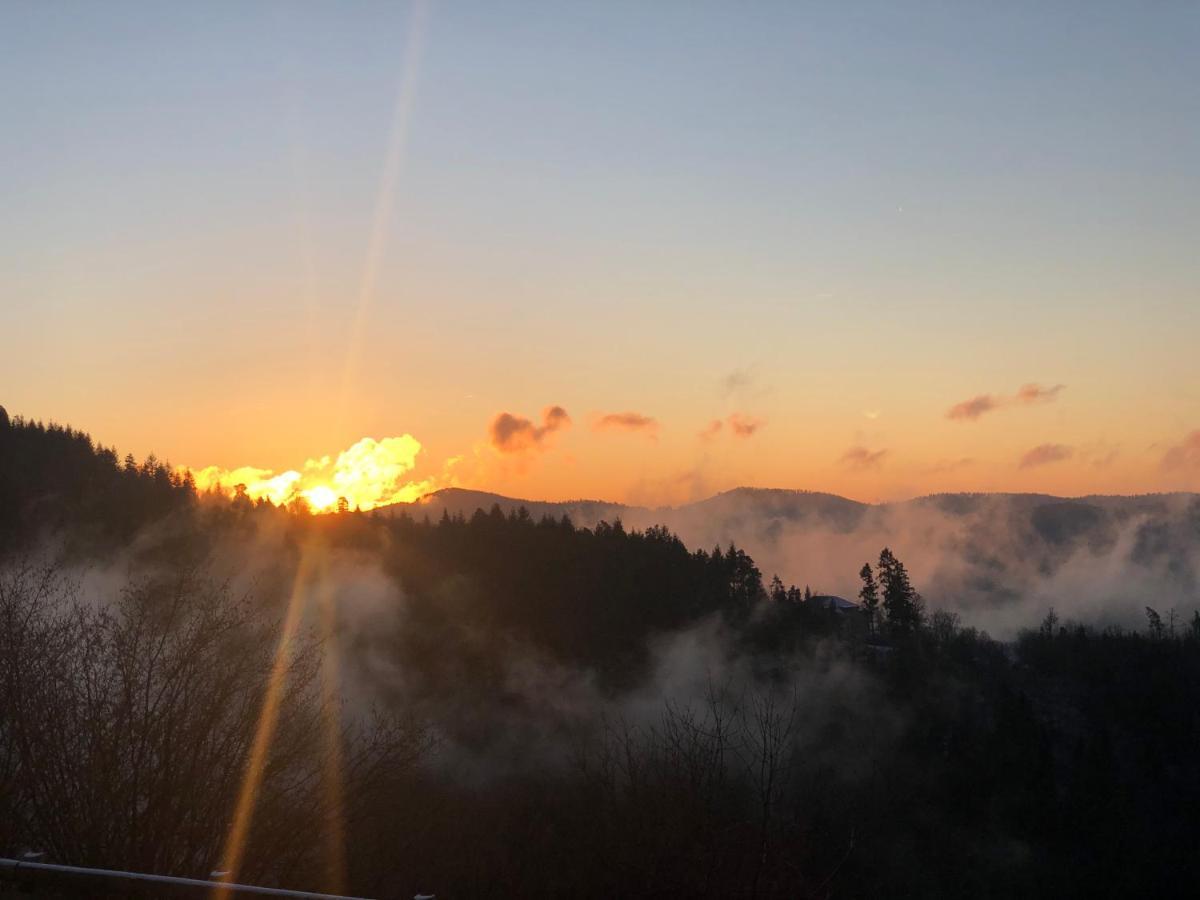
<point x="493" y="704"/>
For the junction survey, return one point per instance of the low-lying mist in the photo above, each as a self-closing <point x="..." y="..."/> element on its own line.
<point x="998" y="560"/>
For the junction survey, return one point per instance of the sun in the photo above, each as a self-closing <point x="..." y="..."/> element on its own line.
<point x="321" y="497"/>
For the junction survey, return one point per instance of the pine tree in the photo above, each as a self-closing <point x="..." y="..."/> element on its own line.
<point x="1155" y="623"/>
<point x="869" y="596"/>
<point x="901" y="602"/>
<point x="777" y="591"/>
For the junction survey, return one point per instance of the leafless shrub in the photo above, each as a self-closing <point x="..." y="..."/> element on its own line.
<point x="127" y="728"/>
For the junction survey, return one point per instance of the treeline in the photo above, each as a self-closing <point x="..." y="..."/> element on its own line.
<point x="55" y="480"/>
<point x="585" y="597"/>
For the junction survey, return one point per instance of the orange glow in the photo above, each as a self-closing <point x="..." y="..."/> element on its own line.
<point x="368" y="474"/>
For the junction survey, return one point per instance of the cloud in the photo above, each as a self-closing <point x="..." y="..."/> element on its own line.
<point x="1098" y="454"/>
<point x="1035" y="393"/>
<point x="1043" y="454"/>
<point x="516" y="434"/>
<point x="1184" y="455"/>
<point x="367" y="474"/>
<point x="744" y="426"/>
<point x="741" y="425"/>
<point x="258" y="483"/>
<point x="951" y="465"/>
<point x="860" y="458"/>
<point x="974" y="408"/>
<point x="737" y="379"/>
<point x="555" y="416"/>
<point x="627" y="421"/>
<point x="1026" y="395"/>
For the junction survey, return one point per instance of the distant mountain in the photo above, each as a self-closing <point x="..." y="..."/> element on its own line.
<point x="1002" y="559"/>
<point x="458" y="501"/>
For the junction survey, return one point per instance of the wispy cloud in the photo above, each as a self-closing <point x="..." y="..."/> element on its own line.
<point x="981" y="404"/>
<point x="516" y="434"/>
<point x="861" y="458"/>
<point x="1098" y="454"/>
<point x="739" y="424"/>
<point x="737" y="379"/>
<point x="1185" y="454"/>
<point x="1044" y="454"/>
<point x="627" y="421"/>
<point x="1035" y="393"/>
<point x="974" y="408"/>
<point x="744" y="426"/>
<point x="951" y="465"/>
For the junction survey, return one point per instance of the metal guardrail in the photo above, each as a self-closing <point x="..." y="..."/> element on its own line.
<point x="21" y="869"/>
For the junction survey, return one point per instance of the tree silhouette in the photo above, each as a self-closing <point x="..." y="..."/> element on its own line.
<point x="868" y="596"/>
<point x="901" y="602"/>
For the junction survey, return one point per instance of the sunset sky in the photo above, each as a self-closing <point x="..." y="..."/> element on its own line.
<point x="891" y="249"/>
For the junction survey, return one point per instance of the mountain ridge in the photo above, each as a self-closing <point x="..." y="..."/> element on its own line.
<point x="490" y="497"/>
<point x="1001" y="559"/>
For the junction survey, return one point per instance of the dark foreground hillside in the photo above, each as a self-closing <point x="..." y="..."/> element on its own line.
<point x="498" y="705"/>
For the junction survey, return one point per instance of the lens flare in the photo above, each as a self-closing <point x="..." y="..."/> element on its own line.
<point x="312" y="581"/>
<point x="333" y="813"/>
<point x="239" y="829"/>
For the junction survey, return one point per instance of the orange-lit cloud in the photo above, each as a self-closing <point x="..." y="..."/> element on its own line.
<point x="1097" y="454"/>
<point x="737" y="379"/>
<point x="711" y="430"/>
<point x="278" y="488"/>
<point x="740" y="425"/>
<point x="1185" y="454"/>
<point x="1035" y="393"/>
<point x="1027" y="394"/>
<point x="973" y="408"/>
<point x="627" y="421"/>
<point x="368" y="474"/>
<point x="860" y="458"/>
<point x="516" y="434"/>
<point x="951" y="465"/>
<point x="743" y="426"/>
<point x="1044" y="454"/>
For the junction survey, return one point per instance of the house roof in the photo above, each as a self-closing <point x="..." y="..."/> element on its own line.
<point x="830" y="601"/>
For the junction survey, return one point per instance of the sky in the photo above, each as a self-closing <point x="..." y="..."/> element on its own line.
<point x="630" y="251"/>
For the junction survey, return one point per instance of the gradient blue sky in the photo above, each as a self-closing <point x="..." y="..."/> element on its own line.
<point x="863" y="213"/>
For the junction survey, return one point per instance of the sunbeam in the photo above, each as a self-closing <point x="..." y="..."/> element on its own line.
<point x="333" y="773"/>
<point x="235" y="843"/>
<point x="385" y="201"/>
